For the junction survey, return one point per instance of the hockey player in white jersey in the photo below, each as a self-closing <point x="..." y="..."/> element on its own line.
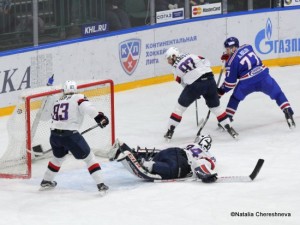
<point x="67" y="116"/>
<point x="195" y="75"/>
<point x="193" y="161"/>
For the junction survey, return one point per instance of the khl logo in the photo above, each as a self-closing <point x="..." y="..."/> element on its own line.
<point x="129" y="54"/>
<point x="265" y="45"/>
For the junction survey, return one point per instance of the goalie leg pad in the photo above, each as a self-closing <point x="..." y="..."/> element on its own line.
<point x="114" y="152"/>
<point x="133" y="166"/>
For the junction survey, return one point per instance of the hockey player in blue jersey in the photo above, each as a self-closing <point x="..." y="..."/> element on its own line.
<point x="245" y="73"/>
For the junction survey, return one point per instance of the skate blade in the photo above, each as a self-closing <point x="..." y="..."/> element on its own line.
<point x="46" y="188"/>
<point x="235" y="137"/>
<point x="103" y="193"/>
<point x="168" y="140"/>
<point x="291" y="124"/>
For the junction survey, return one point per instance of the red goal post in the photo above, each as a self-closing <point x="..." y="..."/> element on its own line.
<point x="29" y="126"/>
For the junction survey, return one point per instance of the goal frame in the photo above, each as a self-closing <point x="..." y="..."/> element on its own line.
<point x="28" y="121"/>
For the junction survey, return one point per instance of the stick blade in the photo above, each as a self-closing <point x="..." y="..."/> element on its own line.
<point x="251" y="177"/>
<point x="37" y="150"/>
<point x="257" y="168"/>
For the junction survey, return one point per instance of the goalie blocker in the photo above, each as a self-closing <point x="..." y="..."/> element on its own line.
<point x="193" y="161"/>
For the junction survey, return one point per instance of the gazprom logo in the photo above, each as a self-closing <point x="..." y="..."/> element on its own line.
<point x="265" y="44"/>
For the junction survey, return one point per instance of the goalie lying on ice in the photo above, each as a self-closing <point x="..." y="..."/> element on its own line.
<point x="151" y="164"/>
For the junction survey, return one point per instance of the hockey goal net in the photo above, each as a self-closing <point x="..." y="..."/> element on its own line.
<point x="29" y="128"/>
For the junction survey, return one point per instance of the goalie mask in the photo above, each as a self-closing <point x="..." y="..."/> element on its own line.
<point x="205" y="142"/>
<point x="70" y="87"/>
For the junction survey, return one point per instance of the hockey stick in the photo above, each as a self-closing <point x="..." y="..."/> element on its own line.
<point x="223" y="179"/>
<point x="251" y="177"/>
<point x="197" y="119"/>
<point x="208" y="114"/>
<point x="89" y="129"/>
<point x="38" y="150"/>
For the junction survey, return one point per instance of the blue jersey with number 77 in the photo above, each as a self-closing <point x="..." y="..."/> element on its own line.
<point x="243" y="66"/>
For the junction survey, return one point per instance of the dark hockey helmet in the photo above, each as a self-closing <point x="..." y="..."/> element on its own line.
<point x="231" y="42"/>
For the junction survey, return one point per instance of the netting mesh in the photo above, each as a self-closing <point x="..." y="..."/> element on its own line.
<point x="15" y="160"/>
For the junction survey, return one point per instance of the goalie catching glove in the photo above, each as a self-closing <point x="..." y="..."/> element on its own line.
<point x="102" y="120"/>
<point x="205" y="177"/>
<point x="205" y="170"/>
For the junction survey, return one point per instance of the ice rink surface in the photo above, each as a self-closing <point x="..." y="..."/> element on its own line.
<point x="141" y="119"/>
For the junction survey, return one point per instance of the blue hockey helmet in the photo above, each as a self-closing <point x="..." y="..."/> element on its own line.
<point x="231" y="42"/>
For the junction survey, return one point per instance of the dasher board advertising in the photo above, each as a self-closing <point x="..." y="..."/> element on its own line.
<point x="206" y="10"/>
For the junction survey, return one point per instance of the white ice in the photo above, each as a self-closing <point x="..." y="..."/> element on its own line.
<point x="141" y="119"/>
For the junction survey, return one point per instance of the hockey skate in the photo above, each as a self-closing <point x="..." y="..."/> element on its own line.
<point x="170" y="132"/>
<point x="47" y="185"/>
<point x="289" y="118"/>
<point x="102" y="188"/>
<point x="231" y="131"/>
<point x="145" y="153"/>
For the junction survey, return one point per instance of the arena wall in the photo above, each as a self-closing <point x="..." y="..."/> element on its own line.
<point x="135" y="57"/>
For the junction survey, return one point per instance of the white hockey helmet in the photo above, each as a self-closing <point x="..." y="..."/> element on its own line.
<point x="205" y="142"/>
<point x="70" y="87"/>
<point x="172" y="51"/>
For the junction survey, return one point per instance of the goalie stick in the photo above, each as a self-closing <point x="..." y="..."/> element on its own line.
<point x="223" y="179"/>
<point x="197" y="117"/>
<point x="38" y="150"/>
<point x="208" y="114"/>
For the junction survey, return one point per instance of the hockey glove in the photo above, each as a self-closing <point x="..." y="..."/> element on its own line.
<point x="210" y="178"/>
<point x="220" y="92"/>
<point x="205" y="177"/>
<point x="178" y="80"/>
<point x="102" y="120"/>
<point x="225" y="57"/>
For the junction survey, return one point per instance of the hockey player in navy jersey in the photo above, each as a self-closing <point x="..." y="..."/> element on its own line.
<point x="245" y="73"/>
<point x="67" y="116"/>
<point x="193" y="161"/>
<point x="195" y="75"/>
